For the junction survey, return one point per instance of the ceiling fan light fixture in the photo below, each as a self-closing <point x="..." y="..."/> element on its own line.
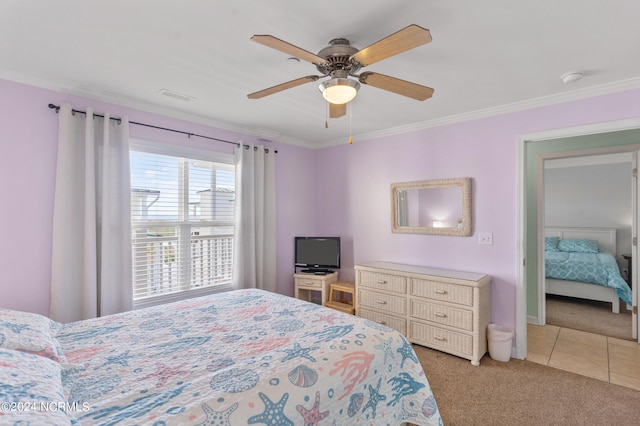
<point x="338" y="90"/>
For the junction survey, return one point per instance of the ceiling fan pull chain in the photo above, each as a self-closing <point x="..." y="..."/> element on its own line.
<point x="326" y="116"/>
<point x="350" y="116"/>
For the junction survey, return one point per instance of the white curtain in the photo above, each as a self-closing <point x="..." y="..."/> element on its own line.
<point x="91" y="260"/>
<point x="254" y="260"/>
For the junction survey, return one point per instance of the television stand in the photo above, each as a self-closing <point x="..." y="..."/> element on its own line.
<point x="316" y="271"/>
<point x="314" y="288"/>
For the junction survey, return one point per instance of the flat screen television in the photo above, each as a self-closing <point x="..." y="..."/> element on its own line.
<point x="317" y="254"/>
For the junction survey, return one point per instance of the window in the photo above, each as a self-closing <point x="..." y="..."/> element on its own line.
<point x="182" y="212"/>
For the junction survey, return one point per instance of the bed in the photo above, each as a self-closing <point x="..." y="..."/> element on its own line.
<point x="235" y="358"/>
<point x="575" y="267"/>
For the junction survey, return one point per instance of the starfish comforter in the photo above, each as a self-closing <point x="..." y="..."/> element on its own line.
<point x="238" y="358"/>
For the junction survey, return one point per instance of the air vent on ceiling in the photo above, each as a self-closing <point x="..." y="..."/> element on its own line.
<point x="175" y="95"/>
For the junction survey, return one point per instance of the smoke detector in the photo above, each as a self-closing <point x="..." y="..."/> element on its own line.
<point x="571" y="77"/>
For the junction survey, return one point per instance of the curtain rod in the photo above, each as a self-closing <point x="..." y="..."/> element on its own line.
<point x="189" y="134"/>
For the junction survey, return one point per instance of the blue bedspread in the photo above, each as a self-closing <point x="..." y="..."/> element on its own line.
<point x="240" y="358"/>
<point x="593" y="268"/>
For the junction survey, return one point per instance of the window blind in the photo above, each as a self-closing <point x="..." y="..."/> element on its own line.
<point x="182" y="213"/>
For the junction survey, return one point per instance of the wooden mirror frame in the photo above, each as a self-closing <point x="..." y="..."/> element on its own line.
<point x="463" y="230"/>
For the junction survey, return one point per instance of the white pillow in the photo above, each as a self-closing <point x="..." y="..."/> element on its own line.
<point x="28" y="332"/>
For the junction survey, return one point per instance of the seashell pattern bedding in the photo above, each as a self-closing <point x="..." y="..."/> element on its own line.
<point x="242" y="357"/>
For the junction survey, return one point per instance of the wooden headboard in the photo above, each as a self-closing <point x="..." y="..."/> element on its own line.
<point x="606" y="237"/>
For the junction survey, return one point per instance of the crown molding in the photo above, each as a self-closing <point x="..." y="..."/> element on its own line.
<point x="574" y="95"/>
<point x="587" y="92"/>
<point x="136" y="104"/>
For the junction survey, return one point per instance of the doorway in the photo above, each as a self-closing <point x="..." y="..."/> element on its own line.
<point x="600" y="138"/>
<point x="593" y="194"/>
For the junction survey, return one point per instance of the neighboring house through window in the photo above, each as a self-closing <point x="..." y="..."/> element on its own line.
<point x="182" y="215"/>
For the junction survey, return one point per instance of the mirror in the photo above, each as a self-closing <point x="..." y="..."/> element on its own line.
<point x="436" y="207"/>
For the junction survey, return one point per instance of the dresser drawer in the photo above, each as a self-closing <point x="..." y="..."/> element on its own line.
<point x="458" y="318"/>
<point x="398" y="324"/>
<point x="387" y="282"/>
<point x="308" y="283"/>
<point x="382" y="302"/>
<point x="445" y="292"/>
<point x="439" y="338"/>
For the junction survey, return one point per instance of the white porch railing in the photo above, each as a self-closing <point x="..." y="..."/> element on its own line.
<point x="159" y="267"/>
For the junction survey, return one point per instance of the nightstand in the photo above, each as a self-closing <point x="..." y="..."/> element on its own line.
<point x="307" y="284"/>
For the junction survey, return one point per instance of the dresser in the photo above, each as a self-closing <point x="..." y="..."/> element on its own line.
<point x="441" y="309"/>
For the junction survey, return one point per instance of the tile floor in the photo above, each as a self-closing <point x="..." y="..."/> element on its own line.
<point x="601" y="357"/>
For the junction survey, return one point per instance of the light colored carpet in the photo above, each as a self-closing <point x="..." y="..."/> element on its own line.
<point x="588" y="315"/>
<point x="523" y="393"/>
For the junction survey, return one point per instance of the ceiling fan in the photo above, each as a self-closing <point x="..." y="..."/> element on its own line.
<point x="340" y="60"/>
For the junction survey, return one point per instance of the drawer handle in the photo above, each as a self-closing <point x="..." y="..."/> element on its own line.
<point x="381" y="322"/>
<point x="382" y="281"/>
<point x="441" y="315"/>
<point x="309" y="283"/>
<point x="442" y="339"/>
<point x="441" y="291"/>
<point x="382" y="302"/>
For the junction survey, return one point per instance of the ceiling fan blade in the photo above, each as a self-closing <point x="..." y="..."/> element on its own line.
<point x="395" y="85"/>
<point x="288" y="48"/>
<point x="398" y="42"/>
<point x="280" y="87"/>
<point x="337" y="110"/>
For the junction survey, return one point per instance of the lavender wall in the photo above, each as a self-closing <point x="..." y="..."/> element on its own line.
<point x="350" y="197"/>
<point x="28" y="144"/>
<point x="355" y="200"/>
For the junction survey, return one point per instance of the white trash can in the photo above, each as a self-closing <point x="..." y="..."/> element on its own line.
<point x="499" y="337"/>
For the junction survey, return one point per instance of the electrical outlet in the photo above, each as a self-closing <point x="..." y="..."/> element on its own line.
<point x="485" y="238"/>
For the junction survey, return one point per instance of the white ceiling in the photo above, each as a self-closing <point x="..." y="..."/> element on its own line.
<point x="485" y="57"/>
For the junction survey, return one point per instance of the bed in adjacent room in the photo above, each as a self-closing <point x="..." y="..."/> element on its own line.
<point x="235" y="358"/>
<point x="581" y="263"/>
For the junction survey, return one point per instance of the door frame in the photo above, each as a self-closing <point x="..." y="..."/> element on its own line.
<point x="541" y="202"/>
<point x="521" y="209"/>
<point x="635" y="218"/>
